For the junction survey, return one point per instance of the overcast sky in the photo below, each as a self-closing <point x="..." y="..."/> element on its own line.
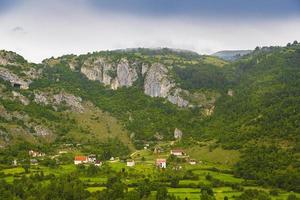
<point x="38" y="29"/>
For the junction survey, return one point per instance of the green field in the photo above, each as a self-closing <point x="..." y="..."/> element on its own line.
<point x="146" y="169"/>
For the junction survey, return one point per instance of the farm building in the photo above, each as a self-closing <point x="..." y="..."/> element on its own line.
<point x="130" y="163"/>
<point x="33" y="161"/>
<point x="98" y="163"/>
<point x="34" y="154"/>
<point x="80" y="160"/>
<point x="193" y="162"/>
<point x="177" y="152"/>
<point x="161" y="163"/>
<point x="92" y="158"/>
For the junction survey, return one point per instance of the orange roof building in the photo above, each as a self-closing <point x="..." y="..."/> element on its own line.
<point x="80" y="160"/>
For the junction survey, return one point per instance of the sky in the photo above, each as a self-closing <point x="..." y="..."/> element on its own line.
<point x="39" y="29"/>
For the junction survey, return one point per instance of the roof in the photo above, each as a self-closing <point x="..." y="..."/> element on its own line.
<point x="160" y="160"/>
<point x="80" y="158"/>
<point x="177" y="150"/>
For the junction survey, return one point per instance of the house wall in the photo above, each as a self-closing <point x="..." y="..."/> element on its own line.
<point x="130" y="164"/>
<point x="176" y="153"/>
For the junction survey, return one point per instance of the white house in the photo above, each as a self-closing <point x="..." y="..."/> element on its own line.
<point x="177" y="152"/>
<point x="161" y="163"/>
<point x="192" y="162"/>
<point x="130" y="163"/>
<point x="34" y="154"/>
<point x="98" y="163"/>
<point x="92" y="158"/>
<point x="80" y="160"/>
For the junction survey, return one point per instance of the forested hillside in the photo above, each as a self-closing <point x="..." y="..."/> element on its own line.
<point x="139" y="96"/>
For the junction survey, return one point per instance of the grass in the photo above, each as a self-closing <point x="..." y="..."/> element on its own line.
<point x="190" y="193"/>
<point x="218" y="155"/>
<point x="142" y="170"/>
<point x="15" y="170"/>
<point x="101" y="126"/>
<point x="95" y="189"/>
<point x="146" y="169"/>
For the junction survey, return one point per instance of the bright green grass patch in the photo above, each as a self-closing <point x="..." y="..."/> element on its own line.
<point x="219" y="175"/>
<point x="218" y="155"/>
<point x="94" y="179"/>
<point x="95" y="189"/>
<point x="15" y="170"/>
<point x="190" y="193"/>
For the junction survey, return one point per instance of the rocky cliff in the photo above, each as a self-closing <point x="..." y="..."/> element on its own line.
<point x="123" y="72"/>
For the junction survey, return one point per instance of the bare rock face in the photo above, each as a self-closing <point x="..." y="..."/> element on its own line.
<point x="70" y="100"/>
<point x="177" y="133"/>
<point x="41" y="98"/>
<point x="145" y="68"/>
<point x="126" y="74"/>
<point x="42" y="131"/>
<point x="59" y="99"/>
<point x="16" y="81"/>
<point x="158" y="84"/>
<point x="7" y="58"/>
<point x="21" y="98"/>
<point x="176" y="98"/>
<point x="119" y="75"/>
<point x="97" y="70"/>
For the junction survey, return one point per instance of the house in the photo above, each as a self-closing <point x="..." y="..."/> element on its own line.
<point x="92" y="158"/>
<point x="161" y="163"/>
<point x="146" y="146"/>
<point x="177" y="152"/>
<point x="98" y="163"/>
<point x="130" y="163"/>
<point x="33" y="161"/>
<point x="34" y="154"/>
<point x="80" y="160"/>
<point x="192" y="162"/>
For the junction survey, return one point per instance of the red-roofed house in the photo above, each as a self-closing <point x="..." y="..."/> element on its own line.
<point x="80" y="160"/>
<point x="161" y="163"/>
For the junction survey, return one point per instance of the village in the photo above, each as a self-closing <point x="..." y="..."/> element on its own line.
<point x="157" y="156"/>
<point x="164" y="163"/>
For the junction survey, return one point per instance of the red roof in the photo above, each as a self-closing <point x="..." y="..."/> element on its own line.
<point x="80" y="158"/>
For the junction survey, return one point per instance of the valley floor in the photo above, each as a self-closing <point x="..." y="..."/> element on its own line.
<point x="217" y="176"/>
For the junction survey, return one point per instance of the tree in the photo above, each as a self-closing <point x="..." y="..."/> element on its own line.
<point x="162" y="193"/>
<point x="144" y="188"/>
<point x="292" y="197"/>
<point x="174" y="181"/>
<point x="26" y="167"/>
<point x="207" y="193"/>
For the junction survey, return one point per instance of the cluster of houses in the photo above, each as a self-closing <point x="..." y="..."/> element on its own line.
<point x="34" y="155"/>
<point x="160" y="162"/>
<point x="90" y="159"/>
